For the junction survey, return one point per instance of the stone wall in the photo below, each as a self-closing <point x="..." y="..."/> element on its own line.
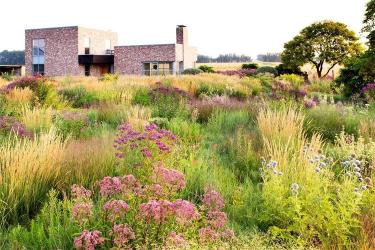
<point x="129" y="59"/>
<point x="97" y="40"/>
<point x="61" y="50"/>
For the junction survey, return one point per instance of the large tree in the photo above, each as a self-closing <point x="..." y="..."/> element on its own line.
<point x="322" y="43"/>
<point x="369" y="23"/>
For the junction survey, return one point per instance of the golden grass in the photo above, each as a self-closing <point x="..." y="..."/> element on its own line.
<point x="37" y="119"/>
<point x="138" y="116"/>
<point x="29" y="169"/>
<point x="20" y="96"/>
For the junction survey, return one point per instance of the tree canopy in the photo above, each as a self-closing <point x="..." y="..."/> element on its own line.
<point x="369" y="23"/>
<point x="322" y="43"/>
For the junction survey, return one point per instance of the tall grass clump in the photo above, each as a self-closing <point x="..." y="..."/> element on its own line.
<point x="29" y="169"/>
<point x="37" y="119"/>
<point x="303" y="202"/>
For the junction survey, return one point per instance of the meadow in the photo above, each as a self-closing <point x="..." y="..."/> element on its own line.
<point x="206" y="161"/>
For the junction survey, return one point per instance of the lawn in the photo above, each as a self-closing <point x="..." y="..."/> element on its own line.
<point x="207" y="161"/>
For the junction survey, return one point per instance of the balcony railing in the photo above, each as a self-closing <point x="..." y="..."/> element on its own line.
<point x="159" y="72"/>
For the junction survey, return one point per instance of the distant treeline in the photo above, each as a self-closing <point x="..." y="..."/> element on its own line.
<point x="15" y="57"/>
<point x="269" y="57"/>
<point x="227" y="58"/>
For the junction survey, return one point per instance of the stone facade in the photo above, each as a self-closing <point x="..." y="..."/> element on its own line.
<point x="61" y="50"/>
<point x="129" y="59"/>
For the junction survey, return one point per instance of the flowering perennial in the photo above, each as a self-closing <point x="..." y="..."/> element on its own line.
<point x="88" y="240"/>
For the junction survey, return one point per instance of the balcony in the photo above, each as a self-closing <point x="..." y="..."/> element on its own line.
<point x="95" y="59"/>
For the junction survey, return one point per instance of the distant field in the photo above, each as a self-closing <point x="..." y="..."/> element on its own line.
<point x="232" y="66"/>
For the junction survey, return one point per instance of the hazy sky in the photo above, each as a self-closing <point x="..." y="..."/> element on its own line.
<point x="228" y="26"/>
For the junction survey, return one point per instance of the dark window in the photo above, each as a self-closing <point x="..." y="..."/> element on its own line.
<point x="87" y="51"/>
<point x="38" y="56"/>
<point x="87" y="70"/>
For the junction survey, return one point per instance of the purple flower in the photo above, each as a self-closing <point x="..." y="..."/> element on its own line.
<point x="80" y="193"/>
<point x="213" y="200"/>
<point x="82" y="211"/>
<point x="207" y="234"/>
<point x="185" y="212"/>
<point x="123" y="234"/>
<point x="116" y="209"/>
<point x="175" y="240"/>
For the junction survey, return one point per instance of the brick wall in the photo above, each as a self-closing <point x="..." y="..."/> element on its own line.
<point x="61" y="50"/>
<point x="129" y="59"/>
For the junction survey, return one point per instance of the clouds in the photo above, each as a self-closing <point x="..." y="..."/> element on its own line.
<point x="236" y="26"/>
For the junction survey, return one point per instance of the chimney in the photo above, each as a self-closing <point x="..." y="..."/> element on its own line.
<point x="181" y="34"/>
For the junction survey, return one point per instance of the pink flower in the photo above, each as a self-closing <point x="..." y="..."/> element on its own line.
<point x="146" y="152"/>
<point x="130" y="185"/>
<point x="176" y="240"/>
<point x="110" y="185"/>
<point x="88" y="240"/>
<point x="172" y="179"/>
<point x="82" y="211"/>
<point x="116" y="209"/>
<point x="228" y="235"/>
<point x="184" y="211"/>
<point x="216" y="219"/>
<point x="123" y="234"/>
<point x="207" y="234"/>
<point x="212" y="200"/>
<point x="80" y="193"/>
<point x="157" y="211"/>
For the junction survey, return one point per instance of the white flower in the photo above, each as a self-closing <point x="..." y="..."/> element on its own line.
<point x="322" y="164"/>
<point x="317" y="170"/>
<point x="357" y="169"/>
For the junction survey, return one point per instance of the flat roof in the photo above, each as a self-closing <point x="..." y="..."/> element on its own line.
<point x="52" y="28"/>
<point x="161" y="44"/>
<point x="11" y="66"/>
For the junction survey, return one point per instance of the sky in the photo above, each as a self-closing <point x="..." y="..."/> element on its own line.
<point x="216" y="27"/>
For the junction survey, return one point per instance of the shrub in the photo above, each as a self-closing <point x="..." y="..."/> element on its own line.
<point x="206" y="69"/>
<point x="283" y="69"/>
<point x="169" y="102"/>
<point x="142" y="97"/>
<point x="267" y="69"/>
<point x="369" y="92"/>
<point x="71" y="124"/>
<point x="78" y="97"/>
<point x="249" y="66"/>
<point x="109" y="77"/>
<point x="293" y="79"/>
<point x="192" y="71"/>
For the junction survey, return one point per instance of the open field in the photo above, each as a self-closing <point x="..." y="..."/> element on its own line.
<point x="200" y="162"/>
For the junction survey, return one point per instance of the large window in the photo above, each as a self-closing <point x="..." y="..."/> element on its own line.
<point x="38" y="56"/>
<point x="158" y="68"/>
<point x="86" y="44"/>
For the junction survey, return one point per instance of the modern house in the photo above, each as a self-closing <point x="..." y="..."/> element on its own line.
<point x="80" y="51"/>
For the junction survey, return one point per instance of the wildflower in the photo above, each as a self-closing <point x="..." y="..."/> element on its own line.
<point x="216" y="219"/>
<point x="212" y="200"/>
<point x="109" y="186"/>
<point x="157" y="211"/>
<point x="360" y="179"/>
<point x="184" y="211"/>
<point x="357" y="169"/>
<point x="123" y="234"/>
<point x="228" y="234"/>
<point x="317" y="169"/>
<point x="345" y="164"/>
<point x="274" y="171"/>
<point x="280" y="173"/>
<point x="272" y="164"/>
<point x="130" y="185"/>
<point x="294" y="188"/>
<point x="357" y="162"/>
<point x="322" y="164"/>
<point x="80" y="193"/>
<point x="356" y="189"/>
<point x="116" y="209"/>
<point x="146" y="152"/>
<point x="364" y="187"/>
<point x="82" y="211"/>
<point x="88" y="240"/>
<point x="358" y="174"/>
<point x="207" y="234"/>
<point x="173" y="179"/>
<point x="176" y="240"/>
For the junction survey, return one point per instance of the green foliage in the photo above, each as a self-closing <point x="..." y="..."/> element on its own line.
<point x="293" y="79"/>
<point x="6" y="76"/>
<point x="109" y="77"/>
<point x="313" y="45"/>
<point x="142" y="97"/>
<point x="369" y="23"/>
<point x="357" y="73"/>
<point x="70" y="126"/>
<point x="267" y="69"/>
<point x="78" y="97"/>
<point x="249" y="66"/>
<point x="192" y="71"/>
<point x="206" y="69"/>
<point x="288" y="69"/>
<point x="169" y="103"/>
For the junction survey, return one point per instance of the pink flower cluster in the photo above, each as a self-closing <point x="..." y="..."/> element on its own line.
<point x="116" y="209"/>
<point x="171" y="178"/>
<point x="217" y="219"/>
<point x="158" y="211"/>
<point x="88" y="240"/>
<point x="207" y="234"/>
<point x="212" y="200"/>
<point x="82" y="211"/>
<point x="185" y="212"/>
<point x="175" y="240"/>
<point x="240" y="72"/>
<point x="129" y="139"/>
<point x="80" y="193"/>
<point x="116" y="185"/>
<point x="123" y="234"/>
